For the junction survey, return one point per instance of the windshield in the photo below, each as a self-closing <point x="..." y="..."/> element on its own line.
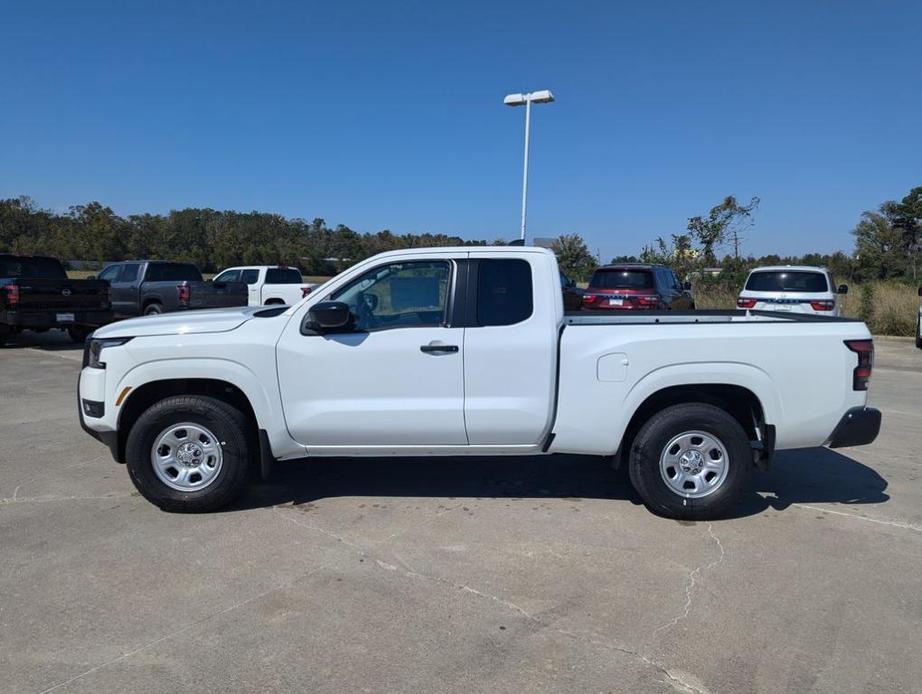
<point x="621" y="278"/>
<point x="787" y="281"/>
<point x="32" y="268"/>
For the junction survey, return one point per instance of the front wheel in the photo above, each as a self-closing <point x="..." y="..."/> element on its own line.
<point x="691" y="461"/>
<point x="190" y="454"/>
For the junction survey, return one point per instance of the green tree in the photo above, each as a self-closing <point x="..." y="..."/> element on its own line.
<point x="723" y="221"/>
<point x="574" y="257"/>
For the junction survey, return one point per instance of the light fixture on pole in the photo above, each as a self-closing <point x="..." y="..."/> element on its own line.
<point x="541" y="97"/>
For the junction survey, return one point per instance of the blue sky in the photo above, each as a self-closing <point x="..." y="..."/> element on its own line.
<point x="389" y="114"/>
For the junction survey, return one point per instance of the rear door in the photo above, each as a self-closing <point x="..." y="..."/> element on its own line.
<point x="510" y="350"/>
<point x="394" y="380"/>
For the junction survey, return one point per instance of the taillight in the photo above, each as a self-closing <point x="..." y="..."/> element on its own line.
<point x="182" y="291"/>
<point x="862" y="373"/>
<point x="823" y="305"/>
<point x="12" y="294"/>
<point x="745" y="303"/>
<point x="647" y="301"/>
<point x="589" y="299"/>
<point x="305" y="291"/>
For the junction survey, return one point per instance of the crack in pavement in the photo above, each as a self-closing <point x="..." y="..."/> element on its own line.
<point x="677" y="680"/>
<point x="690" y="582"/>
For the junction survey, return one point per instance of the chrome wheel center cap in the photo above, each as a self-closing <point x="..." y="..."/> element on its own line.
<point x="691" y="462"/>
<point x="189" y="454"/>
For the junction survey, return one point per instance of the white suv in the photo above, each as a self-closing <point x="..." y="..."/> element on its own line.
<point x="793" y="289"/>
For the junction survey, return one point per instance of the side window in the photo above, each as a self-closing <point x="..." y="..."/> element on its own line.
<point x="109" y="274"/>
<point x="129" y="273"/>
<point x="228" y="276"/>
<point x="504" y="292"/>
<point x="398" y="295"/>
<point x="247" y="277"/>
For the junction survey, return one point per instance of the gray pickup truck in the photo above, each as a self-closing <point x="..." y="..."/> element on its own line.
<point x="148" y="287"/>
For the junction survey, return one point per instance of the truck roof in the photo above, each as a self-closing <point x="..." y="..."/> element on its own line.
<point x="798" y="268"/>
<point x="430" y="250"/>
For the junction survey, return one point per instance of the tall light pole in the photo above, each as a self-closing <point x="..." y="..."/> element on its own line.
<point x="542" y="97"/>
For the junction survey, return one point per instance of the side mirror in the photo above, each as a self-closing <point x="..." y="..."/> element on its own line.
<point x="686" y="286"/>
<point x="327" y="316"/>
<point x="843" y="289"/>
<point x="91" y="277"/>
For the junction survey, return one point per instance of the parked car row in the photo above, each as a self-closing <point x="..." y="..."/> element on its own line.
<point x="648" y="287"/>
<point x="36" y="294"/>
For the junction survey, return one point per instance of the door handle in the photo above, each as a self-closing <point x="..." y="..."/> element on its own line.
<point x="435" y="349"/>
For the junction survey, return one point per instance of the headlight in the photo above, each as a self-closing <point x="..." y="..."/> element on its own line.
<point x="94" y="348"/>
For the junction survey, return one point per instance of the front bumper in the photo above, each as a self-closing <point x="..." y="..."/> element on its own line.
<point x="110" y="438"/>
<point x="858" y="426"/>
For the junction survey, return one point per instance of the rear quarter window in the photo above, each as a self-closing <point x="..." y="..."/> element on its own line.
<point x="283" y="275"/>
<point x="504" y="292"/>
<point x="787" y="281"/>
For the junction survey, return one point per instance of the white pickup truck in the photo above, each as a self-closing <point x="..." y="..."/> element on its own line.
<point x="461" y="351"/>
<point x="268" y="284"/>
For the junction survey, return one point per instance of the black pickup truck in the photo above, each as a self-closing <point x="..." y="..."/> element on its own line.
<point x="35" y="294"/>
<point x="148" y="287"/>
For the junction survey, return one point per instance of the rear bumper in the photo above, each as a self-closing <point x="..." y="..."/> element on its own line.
<point x="49" y="318"/>
<point x="858" y="426"/>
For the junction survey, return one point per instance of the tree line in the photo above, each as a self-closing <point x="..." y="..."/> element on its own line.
<point x="888" y="240"/>
<point x="212" y="239"/>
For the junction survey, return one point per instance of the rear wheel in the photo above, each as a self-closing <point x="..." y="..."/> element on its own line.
<point x="153" y="309"/>
<point x="190" y="454"/>
<point x="691" y="461"/>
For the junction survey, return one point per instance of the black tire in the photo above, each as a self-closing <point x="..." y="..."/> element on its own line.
<point x="79" y="333"/>
<point x="651" y="441"/>
<point x="230" y="427"/>
<point x="153" y="309"/>
<point x="919" y="332"/>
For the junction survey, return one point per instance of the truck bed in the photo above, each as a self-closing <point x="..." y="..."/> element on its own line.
<point x="685" y="317"/>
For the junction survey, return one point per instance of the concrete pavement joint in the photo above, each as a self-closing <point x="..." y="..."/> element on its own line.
<point x="880" y="521"/>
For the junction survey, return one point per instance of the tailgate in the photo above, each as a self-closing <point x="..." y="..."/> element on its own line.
<point x="217" y="294"/>
<point x="39" y="294"/>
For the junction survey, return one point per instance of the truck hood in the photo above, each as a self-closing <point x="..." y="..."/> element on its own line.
<point x="215" y="320"/>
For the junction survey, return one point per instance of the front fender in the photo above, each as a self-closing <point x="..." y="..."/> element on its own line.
<point x="261" y="392"/>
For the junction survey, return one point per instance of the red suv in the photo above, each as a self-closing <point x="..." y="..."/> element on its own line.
<point x="636" y="288"/>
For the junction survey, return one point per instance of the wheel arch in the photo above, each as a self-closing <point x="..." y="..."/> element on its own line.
<point x="744" y="391"/>
<point x="144" y="396"/>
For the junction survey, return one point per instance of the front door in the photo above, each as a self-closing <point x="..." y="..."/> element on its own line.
<point x="395" y="379"/>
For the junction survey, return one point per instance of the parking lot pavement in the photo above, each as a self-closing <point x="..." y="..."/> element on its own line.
<point x="454" y="575"/>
